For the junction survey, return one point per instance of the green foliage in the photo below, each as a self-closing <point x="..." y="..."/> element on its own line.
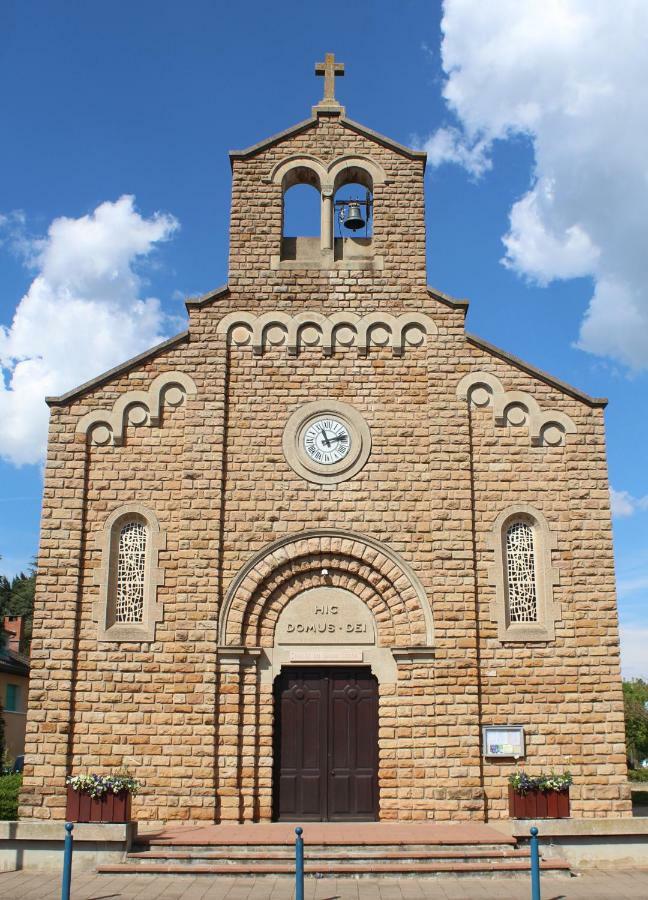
<point x="554" y="781"/>
<point x="9" y="789"/>
<point x="98" y="785"/>
<point x="635" y="699"/>
<point x="17" y="599"/>
<point x="638" y="774"/>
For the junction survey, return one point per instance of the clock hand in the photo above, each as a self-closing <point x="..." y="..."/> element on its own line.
<point x="325" y="439"/>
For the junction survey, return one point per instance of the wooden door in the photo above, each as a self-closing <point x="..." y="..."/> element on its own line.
<point x="326" y="747"/>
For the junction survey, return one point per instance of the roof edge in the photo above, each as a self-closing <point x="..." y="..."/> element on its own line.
<point x="273" y="139"/>
<point x="102" y="379"/>
<point x="349" y="123"/>
<point x="382" y="139"/>
<point x="599" y="402"/>
<point x="452" y="302"/>
<point x="194" y="302"/>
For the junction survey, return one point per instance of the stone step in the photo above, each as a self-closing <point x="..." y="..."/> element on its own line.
<point x="356" y="854"/>
<point x="373" y="868"/>
<point x="142" y="845"/>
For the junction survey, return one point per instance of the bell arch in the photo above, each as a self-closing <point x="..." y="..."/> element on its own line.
<point x="326" y="557"/>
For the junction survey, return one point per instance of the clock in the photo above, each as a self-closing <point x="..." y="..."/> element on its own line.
<point x="326" y="441"/>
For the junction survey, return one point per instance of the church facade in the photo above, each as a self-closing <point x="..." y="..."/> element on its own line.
<point x="326" y="555"/>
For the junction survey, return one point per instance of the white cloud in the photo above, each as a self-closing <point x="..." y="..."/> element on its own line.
<point x="83" y="313"/>
<point x="572" y="77"/>
<point x="634" y="663"/>
<point x="624" y="504"/>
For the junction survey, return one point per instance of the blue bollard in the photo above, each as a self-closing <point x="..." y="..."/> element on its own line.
<point x="535" y="865"/>
<point x="299" y="864"/>
<point x="67" y="862"/>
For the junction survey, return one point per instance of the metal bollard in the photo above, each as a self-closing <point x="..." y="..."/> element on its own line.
<point x="535" y="865"/>
<point x="67" y="862"/>
<point x="299" y="864"/>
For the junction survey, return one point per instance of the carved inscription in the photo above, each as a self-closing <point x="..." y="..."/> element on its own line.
<point x="325" y="616"/>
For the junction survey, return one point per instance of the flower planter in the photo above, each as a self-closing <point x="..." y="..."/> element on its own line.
<point x="112" y="808"/>
<point x="539" y="804"/>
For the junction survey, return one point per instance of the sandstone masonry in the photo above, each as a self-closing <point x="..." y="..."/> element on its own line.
<point x="189" y="709"/>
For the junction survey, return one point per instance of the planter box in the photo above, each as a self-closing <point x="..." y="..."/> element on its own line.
<point x="111" y="808"/>
<point x="539" y="804"/>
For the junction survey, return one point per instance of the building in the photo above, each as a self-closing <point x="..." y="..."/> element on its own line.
<point x="298" y="560"/>
<point x="14" y="686"/>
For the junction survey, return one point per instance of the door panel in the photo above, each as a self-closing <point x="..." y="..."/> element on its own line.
<point x="326" y="745"/>
<point x="353" y="742"/>
<point x="301" y="781"/>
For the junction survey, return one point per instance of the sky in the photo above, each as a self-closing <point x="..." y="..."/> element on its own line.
<point x="116" y="118"/>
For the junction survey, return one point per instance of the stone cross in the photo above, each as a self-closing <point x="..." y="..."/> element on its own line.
<point x="329" y="69"/>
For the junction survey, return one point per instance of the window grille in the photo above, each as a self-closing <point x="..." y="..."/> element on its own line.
<point x="520" y="573"/>
<point x="131" y="559"/>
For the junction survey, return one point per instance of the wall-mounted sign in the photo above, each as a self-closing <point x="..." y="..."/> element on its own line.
<point x="325" y="615"/>
<point x="503" y="741"/>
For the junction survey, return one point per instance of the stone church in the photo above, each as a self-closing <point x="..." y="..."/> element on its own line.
<point x="325" y="555"/>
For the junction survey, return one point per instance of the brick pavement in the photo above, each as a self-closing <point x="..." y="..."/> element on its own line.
<point x="627" y="884"/>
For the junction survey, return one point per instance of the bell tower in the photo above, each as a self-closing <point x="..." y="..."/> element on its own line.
<point x="371" y="207"/>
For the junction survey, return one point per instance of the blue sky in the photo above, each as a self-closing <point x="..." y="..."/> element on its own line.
<point x="110" y="99"/>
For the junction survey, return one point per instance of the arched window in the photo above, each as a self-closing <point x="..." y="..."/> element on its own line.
<point x="326" y="242"/>
<point x="302" y="215"/>
<point x="521" y="590"/>
<point x="301" y="211"/>
<point x="353" y="206"/>
<point x="127" y="608"/>
<point x="131" y="571"/>
<point x="523" y="575"/>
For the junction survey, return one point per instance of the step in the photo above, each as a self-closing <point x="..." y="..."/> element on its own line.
<point x="354" y="853"/>
<point x="500" y="867"/>
<point x="142" y="844"/>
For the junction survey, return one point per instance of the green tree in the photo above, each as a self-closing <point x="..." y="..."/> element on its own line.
<point x="5" y="594"/>
<point x="635" y="698"/>
<point x="21" y="603"/>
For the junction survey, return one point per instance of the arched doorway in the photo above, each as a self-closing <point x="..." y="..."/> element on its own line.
<point x="277" y="617"/>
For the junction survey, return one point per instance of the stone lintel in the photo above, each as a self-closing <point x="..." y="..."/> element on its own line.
<point x="245" y="656"/>
<point x="328" y="108"/>
<point x="413" y="654"/>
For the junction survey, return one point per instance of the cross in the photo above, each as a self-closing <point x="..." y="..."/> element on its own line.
<point x="329" y="69"/>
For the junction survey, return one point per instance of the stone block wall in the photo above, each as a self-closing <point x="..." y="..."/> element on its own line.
<point x="196" y="726"/>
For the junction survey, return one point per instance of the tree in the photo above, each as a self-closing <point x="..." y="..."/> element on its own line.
<point x="635" y="699"/>
<point x="17" y="599"/>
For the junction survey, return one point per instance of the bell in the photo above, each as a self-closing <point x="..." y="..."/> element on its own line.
<point x="353" y="218"/>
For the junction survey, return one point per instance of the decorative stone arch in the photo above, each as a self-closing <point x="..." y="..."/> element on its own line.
<point x="546" y="574"/>
<point x="287" y="172"/>
<point x="311" y="329"/>
<point x="107" y="426"/>
<point x="548" y="428"/>
<point x="327" y="557"/>
<point x="309" y="169"/>
<point x="105" y="577"/>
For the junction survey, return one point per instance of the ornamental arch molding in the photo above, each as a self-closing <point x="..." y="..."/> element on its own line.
<point x="547" y="428"/>
<point x="328" y="558"/>
<point x="339" y="330"/>
<point x="136" y="408"/>
<point x="290" y="170"/>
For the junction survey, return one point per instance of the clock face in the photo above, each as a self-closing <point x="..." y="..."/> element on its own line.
<point x="327" y="440"/>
